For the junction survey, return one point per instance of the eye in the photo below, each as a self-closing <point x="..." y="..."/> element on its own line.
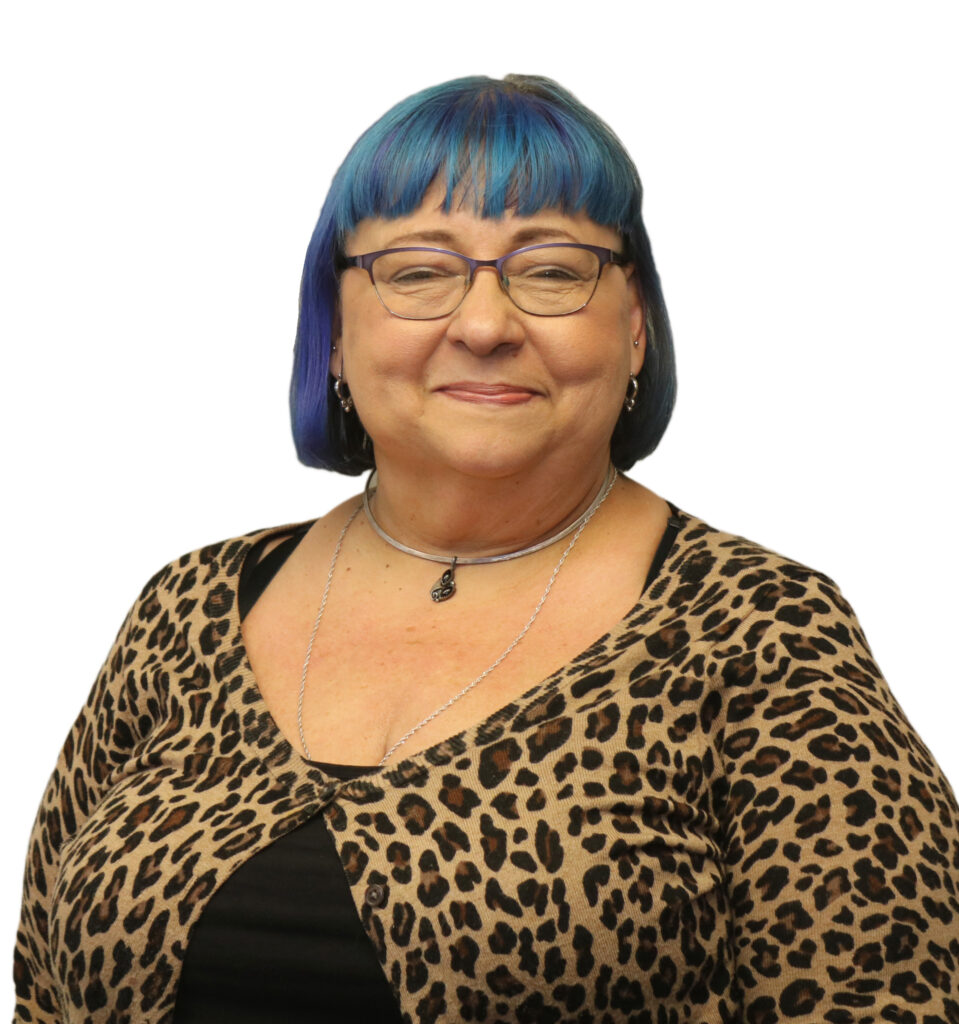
<point x="553" y="273"/>
<point x="553" y="266"/>
<point x="418" y="270"/>
<point x="419" y="274"/>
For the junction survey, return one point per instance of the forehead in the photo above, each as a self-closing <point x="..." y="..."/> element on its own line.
<point x="463" y="229"/>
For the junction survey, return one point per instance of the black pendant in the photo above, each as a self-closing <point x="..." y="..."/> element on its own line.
<point x="445" y="587"/>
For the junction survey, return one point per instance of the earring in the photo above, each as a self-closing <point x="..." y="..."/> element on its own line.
<point x="632" y="390"/>
<point x="342" y="391"/>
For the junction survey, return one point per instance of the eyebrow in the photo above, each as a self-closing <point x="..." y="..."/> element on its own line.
<point x="525" y="236"/>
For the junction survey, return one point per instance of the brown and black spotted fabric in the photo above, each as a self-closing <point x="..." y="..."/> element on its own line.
<point x="715" y="813"/>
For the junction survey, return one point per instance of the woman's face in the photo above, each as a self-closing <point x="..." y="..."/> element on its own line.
<point x="488" y="390"/>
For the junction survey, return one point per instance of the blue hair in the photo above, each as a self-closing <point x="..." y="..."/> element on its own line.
<point x="522" y="144"/>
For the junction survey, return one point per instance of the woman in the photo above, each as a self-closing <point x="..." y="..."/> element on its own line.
<point x="506" y="737"/>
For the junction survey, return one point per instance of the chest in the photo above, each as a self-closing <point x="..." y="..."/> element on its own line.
<point x="566" y="845"/>
<point x="560" y="842"/>
<point x="387" y="660"/>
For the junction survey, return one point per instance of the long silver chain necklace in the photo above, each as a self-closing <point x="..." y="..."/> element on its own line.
<point x="579" y="526"/>
<point x="445" y="587"/>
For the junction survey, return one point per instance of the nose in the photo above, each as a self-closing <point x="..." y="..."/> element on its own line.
<point x="486" y="321"/>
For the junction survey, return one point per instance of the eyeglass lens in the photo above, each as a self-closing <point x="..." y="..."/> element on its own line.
<point x="424" y="284"/>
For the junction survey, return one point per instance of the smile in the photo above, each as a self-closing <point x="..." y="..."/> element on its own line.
<point x="488" y="394"/>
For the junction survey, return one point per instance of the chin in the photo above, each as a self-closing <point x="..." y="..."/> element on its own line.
<point x="483" y="457"/>
<point x="485" y="466"/>
<point x="482" y="452"/>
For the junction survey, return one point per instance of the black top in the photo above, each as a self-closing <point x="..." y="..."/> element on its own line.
<point x="280" y="939"/>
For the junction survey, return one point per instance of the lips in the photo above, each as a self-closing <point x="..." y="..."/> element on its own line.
<point x="492" y="394"/>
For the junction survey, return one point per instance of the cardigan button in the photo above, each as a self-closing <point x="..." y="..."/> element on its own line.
<point x="375" y="894"/>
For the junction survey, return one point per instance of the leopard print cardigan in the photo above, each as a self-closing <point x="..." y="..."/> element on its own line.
<point x="717" y="812"/>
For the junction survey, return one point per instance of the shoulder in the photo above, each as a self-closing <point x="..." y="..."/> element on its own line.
<point x="722" y="567"/>
<point x="199" y="584"/>
<point x="705" y="549"/>
<point x="751" y="606"/>
<point x="775" y="637"/>
<point x="206" y="579"/>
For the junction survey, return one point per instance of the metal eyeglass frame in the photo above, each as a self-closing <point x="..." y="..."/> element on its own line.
<point x="365" y="262"/>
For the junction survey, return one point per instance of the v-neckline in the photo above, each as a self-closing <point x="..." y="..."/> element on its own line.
<point x="275" y="749"/>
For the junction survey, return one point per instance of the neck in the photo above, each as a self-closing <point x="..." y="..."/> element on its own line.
<point x="454" y="514"/>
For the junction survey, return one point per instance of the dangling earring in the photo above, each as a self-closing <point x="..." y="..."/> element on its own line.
<point x="632" y="390"/>
<point x="342" y="391"/>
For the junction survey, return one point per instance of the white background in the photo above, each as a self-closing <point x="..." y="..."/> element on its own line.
<point x="164" y="166"/>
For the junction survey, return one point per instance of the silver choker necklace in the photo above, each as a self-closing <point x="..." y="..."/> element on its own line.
<point x="445" y="587"/>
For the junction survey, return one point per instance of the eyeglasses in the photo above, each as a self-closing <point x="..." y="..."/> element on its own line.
<point x="419" y="283"/>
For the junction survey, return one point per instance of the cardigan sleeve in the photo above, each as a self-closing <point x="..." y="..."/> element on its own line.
<point x="839" y="831"/>
<point x="101" y="741"/>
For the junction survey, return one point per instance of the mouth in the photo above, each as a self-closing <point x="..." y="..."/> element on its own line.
<point x="488" y="394"/>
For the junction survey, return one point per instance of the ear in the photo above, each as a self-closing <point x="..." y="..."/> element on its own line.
<point x="336" y="340"/>
<point x="637" y="326"/>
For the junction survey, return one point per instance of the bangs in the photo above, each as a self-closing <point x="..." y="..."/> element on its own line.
<point x="495" y="149"/>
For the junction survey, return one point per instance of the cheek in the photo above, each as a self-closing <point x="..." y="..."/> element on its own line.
<point x="363" y="338"/>
<point x="384" y="359"/>
<point x="355" y="313"/>
<point x="599" y="356"/>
